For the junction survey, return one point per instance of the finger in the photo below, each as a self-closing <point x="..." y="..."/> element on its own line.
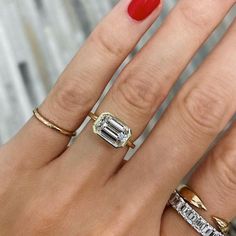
<point x="82" y="83"/>
<point x="215" y="179"/>
<point x="146" y="81"/>
<point x="215" y="182"/>
<point x="199" y="112"/>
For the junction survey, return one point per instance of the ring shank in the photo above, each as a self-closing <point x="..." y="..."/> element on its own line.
<point x="51" y="124"/>
<point x="93" y="116"/>
<point x="130" y="144"/>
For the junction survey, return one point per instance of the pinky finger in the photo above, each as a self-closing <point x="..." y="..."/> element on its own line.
<point x="215" y="182"/>
<point x="215" y="179"/>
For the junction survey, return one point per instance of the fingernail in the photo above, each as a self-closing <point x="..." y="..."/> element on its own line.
<point x="141" y="9"/>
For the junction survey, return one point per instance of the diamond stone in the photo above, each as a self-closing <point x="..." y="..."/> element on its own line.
<point x="200" y="223"/>
<point x="179" y="206"/>
<point x="174" y="199"/>
<point x="217" y="234"/>
<point x="111" y="129"/>
<point x="207" y="230"/>
<point x="192" y="217"/>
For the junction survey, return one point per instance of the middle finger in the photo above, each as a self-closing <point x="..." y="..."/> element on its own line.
<point x="200" y="111"/>
<point x="144" y="84"/>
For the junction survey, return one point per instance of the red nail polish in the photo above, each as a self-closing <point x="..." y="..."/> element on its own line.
<point x="141" y="9"/>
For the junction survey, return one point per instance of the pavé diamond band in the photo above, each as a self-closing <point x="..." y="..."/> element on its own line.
<point x="191" y="216"/>
<point x="112" y="130"/>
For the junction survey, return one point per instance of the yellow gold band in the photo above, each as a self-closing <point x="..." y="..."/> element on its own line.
<point x="51" y="124"/>
<point x="191" y="197"/>
<point x="93" y="116"/>
<point x="130" y="144"/>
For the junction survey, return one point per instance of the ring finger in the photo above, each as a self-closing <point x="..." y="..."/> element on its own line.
<point x="200" y="111"/>
<point x="215" y="182"/>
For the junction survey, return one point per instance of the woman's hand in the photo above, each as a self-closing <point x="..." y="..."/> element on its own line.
<point x="86" y="189"/>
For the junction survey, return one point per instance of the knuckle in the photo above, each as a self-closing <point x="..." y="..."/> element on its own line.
<point x="46" y="215"/>
<point x="138" y="93"/>
<point x="203" y="109"/>
<point x="43" y="221"/>
<point x="107" y="42"/>
<point x="72" y="95"/>
<point x="194" y="14"/>
<point x="224" y="161"/>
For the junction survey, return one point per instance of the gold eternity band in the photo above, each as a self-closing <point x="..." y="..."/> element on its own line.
<point x="112" y="130"/>
<point x="51" y="124"/>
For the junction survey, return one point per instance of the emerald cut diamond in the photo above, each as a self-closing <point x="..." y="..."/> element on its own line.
<point x="111" y="129"/>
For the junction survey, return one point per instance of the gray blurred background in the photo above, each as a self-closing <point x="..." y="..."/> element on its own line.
<point x="39" y="37"/>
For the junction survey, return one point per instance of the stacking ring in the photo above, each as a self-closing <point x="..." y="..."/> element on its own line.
<point x="112" y="130"/>
<point x="182" y="201"/>
<point x="51" y="124"/>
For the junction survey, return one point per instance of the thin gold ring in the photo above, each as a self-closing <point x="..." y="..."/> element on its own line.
<point x="51" y="124"/>
<point x="96" y="118"/>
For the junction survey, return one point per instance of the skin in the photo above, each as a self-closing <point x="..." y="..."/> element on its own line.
<point x="87" y="189"/>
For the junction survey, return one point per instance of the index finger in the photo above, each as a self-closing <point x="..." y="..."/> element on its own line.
<point x="83" y="81"/>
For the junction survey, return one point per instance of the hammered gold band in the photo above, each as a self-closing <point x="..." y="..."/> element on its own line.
<point x="51" y="124"/>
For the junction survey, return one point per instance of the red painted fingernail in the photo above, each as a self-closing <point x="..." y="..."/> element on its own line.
<point x="141" y="9"/>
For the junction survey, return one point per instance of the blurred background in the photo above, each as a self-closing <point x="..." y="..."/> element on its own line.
<point x="38" y="38"/>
